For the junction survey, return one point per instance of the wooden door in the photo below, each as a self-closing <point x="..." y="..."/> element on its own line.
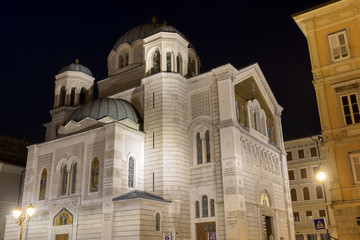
<point x="62" y="237"/>
<point x="202" y="230"/>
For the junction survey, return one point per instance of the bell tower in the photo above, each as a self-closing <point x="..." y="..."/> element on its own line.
<point x="74" y="86"/>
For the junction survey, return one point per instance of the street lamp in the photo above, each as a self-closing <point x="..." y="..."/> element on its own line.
<point x="321" y="176"/>
<point x="22" y="216"/>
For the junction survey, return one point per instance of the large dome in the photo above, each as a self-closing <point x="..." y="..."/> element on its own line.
<point x="117" y="109"/>
<point x="76" y="67"/>
<point x="146" y="30"/>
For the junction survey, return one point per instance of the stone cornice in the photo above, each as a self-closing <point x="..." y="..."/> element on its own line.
<point x="224" y="72"/>
<point x="74" y="75"/>
<point x="162" y="75"/>
<point x="62" y="109"/>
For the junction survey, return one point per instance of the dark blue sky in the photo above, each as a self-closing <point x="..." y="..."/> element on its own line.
<point x="39" y="38"/>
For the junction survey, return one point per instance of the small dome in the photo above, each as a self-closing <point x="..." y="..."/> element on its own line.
<point x="76" y="67"/>
<point x="146" y="30"/>
<point x="117" y="109"/>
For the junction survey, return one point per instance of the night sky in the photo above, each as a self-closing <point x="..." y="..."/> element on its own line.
<point x="39" y="38"/>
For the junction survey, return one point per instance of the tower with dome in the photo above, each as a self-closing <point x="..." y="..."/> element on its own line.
<point x="166" y="151"/>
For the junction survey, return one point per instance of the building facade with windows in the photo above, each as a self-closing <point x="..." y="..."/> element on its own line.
<point x="310" y="197"/>
<point x="164" y="151"/>
<point x="332" y="31"/>
<point x="13" y="154"/>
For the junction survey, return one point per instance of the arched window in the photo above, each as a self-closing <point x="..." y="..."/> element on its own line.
<point x="62" y="96"/>
<point x="94" y="175"/>
<point x="205" y="208"/>
<point x="203" y="147"/>
<point x="319" y="192"/>
<point x="293" y="195"/>
<point x="255" y="121"/>
<point x="73" y="177"/>
<point x="82" y="96"/>
<point x="193" y="70"/>
<point x="197" y="209"/>
<point x="43" y="180"/>
<point x="72" y="97"/>
<point x="64" y="180"/>
<point x="212" y="208"/>
<point x="198" y="148"/>
<point x="126" y="59"/>
<point x="157" y="219"/>
<point x="121" y="61"/>
<point x="207" y="146"/>
<point x="156" y="62"/>
<point x="306" y="193"/>
<point x="131" y="172"/>
<point x="179" y="63"/>
<point x="168" y="62"/>
<point x="189" y="67"/>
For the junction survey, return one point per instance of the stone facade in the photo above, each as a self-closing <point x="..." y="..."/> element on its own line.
<point x="12" y="171"/>
<point x="311" y="198"/>
<point x="196" y="161"/>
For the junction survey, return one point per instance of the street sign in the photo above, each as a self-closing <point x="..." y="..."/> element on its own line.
<point x="167" y="236"/>
<point x="320" y="224"/>
<point x="212" y="235"/>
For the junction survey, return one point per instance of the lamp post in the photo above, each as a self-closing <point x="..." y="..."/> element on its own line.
<point x="22" y="216"/>
<point x="321" y="176"/>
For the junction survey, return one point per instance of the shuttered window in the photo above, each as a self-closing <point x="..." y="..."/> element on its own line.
<point x="355" y="166"/>
<point x="339" y="46"/>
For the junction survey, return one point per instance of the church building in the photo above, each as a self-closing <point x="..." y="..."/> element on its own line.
<point x="164" y="152"/>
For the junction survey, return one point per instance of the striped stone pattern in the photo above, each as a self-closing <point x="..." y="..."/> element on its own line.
<point x="168" y="156"/>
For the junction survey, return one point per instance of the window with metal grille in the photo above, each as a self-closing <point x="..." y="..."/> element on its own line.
<point x="131" y="172"/>
<point x="205" y="208"/>
<point x="73" y="177"/>
<point x="63" y="180"/>
<point x="212" y="207"/>
<point x="197" y="209"/>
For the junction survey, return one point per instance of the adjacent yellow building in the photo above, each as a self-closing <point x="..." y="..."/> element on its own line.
<point x="333" y="35"/>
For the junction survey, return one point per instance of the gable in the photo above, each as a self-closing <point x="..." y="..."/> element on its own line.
<point x="248" y="90"/>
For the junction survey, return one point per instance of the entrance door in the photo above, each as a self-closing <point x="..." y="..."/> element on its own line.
<point x="202" y="230"/>
<point x="62" y="237"/>
<point x="267" y="228"/>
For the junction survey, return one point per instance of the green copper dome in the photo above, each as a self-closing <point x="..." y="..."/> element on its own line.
<point x="146" y="30"/>
<point x="117" y="109"/>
